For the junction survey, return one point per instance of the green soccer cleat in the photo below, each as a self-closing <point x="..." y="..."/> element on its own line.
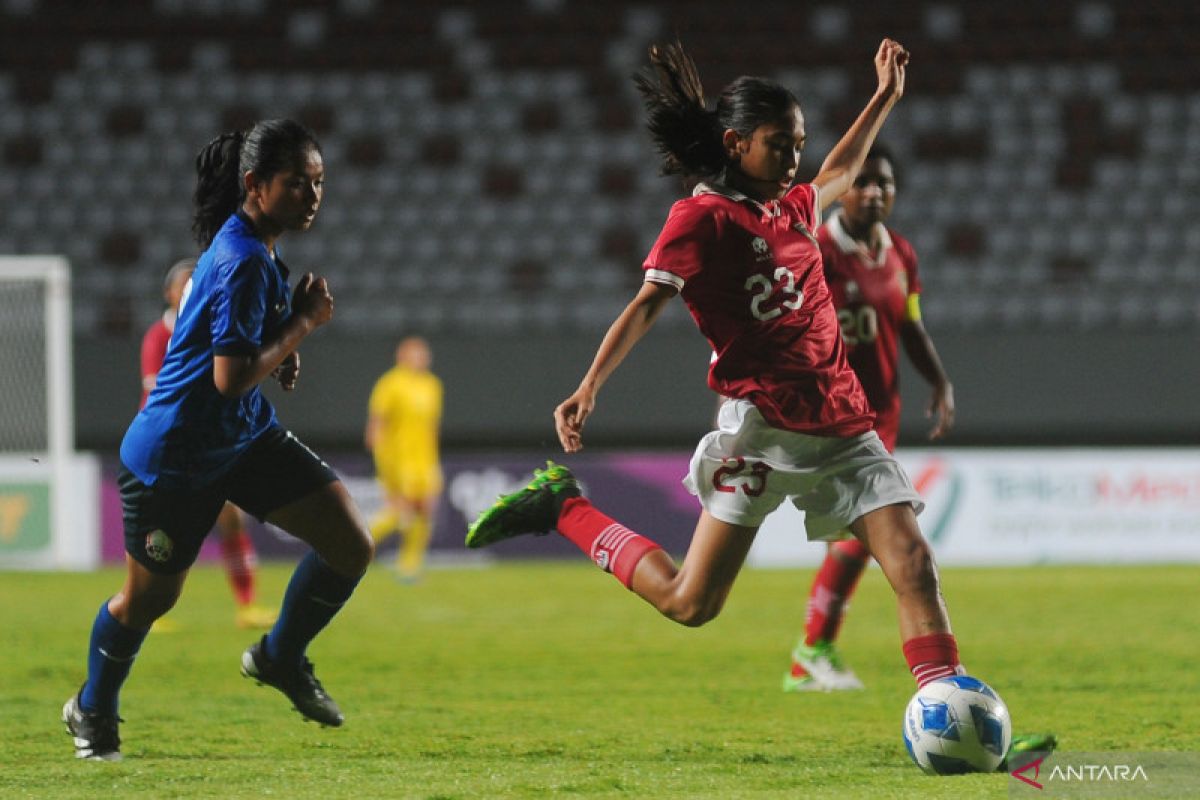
<point x="1024" y="747"/>
<point x="533" y="509"/>
<point x="796" y="680"/>
<point x="824" y="663"/>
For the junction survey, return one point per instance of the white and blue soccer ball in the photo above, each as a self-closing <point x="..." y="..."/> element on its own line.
<point x="955" y="725"/>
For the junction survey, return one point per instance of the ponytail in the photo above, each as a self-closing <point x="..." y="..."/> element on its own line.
<point x="270" y="146"/>
<point x="685" y="132"/>
<point x="218" y="186"/>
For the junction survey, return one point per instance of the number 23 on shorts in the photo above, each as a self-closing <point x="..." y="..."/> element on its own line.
<point x="733" y="475"/>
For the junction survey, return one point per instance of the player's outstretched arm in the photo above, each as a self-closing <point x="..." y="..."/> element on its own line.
<point x="623" y="334"/>
<point x="842" y="165"/>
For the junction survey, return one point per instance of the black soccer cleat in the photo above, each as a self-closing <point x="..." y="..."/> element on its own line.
<point x="298" y="683"/>
<point x="96" y="736"/>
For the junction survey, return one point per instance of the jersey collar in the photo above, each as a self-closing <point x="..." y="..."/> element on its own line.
<point x="848" y="244"/>
<point x="771" y="209"/>
<point x="244" y="218"/>
<point x="276" y="258"/>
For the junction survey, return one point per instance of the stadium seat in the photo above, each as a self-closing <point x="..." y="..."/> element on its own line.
<point x="498" y="134"/>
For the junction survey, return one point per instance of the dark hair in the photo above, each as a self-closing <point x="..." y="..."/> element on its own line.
<point x="882" y="151"/>
<point x="269" y="147"/>
<point x="686" y="133"/>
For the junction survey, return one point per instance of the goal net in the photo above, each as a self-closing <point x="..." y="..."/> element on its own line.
<point x="48" y="497"/>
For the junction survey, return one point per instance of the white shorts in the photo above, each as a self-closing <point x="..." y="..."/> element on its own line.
<point x="743" y="470"/>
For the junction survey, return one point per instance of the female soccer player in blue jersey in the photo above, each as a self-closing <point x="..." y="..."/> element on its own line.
<point x="207" y="435"/>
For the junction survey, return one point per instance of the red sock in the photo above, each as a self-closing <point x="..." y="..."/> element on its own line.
<point x="610" y="544"/>
<point x="933" y="656"/>
<point x="831" y="590"/>
<point x="237" y="551"/>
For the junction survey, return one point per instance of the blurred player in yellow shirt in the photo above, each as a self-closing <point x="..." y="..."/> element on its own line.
<point x="404" y="416"/>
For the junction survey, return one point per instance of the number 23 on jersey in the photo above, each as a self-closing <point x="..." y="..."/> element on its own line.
<point x="762" y="289"/>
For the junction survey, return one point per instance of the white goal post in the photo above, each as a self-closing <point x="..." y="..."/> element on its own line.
<point x="49" y="501"/>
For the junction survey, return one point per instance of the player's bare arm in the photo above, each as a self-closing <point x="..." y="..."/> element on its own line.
<point x="842" y="165"/>
<point x="925" y="359"/>
<point x="312" y="307"/>
<point x="637" y="318"/>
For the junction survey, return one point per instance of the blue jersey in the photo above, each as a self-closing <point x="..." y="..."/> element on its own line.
<point x="188" y="434"/>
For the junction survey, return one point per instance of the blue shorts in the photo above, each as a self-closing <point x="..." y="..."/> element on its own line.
<point x="165" y="526"/>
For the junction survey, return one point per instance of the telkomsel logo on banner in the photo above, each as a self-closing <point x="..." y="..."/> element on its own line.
<point x="1114" y="774"/>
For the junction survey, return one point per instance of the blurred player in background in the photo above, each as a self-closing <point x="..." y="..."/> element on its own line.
<point x="872" y="273"/>
<point x="207" y="435"/>
<point x="404" y="417"/>
<point x="237" y="550"/>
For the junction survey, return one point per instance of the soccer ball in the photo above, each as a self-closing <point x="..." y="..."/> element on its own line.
<point x="956" y="725"/>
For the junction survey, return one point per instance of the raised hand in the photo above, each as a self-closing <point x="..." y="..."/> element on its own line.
<point x="312" y="299"/>
<point x="890" y="63"/>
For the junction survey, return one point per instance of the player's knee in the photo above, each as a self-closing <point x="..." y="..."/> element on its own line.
<point x="367" y="543"/>
<point x="161" y="600"/>
<point x="693" y="611"/>
<point x="358" y="551"/>
<point x="139" y="609"/>
<point x="346" y="547"/>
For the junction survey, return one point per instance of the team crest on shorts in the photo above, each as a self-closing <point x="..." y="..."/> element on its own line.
<point x="159" y="546"/>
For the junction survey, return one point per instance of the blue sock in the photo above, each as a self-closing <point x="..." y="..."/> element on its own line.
<point x="110" y="657"/>
<point x="314" y="594"/>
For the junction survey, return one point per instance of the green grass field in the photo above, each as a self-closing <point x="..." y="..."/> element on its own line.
<point x="540" y="680"/>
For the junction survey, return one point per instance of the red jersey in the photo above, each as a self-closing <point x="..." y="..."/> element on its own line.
<point x="871" y="293"/>
<point x="750" y="274"/>
<point x="154" y="350"/>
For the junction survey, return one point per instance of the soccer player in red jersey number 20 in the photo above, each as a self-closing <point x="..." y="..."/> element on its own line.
<point x="743" y="254"/>
<point x="871" y="272"/>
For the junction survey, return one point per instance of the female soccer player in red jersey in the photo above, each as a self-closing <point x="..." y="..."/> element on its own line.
<point x="207" y="435"/>
<point x="872" y="273"/>
<point x="742" y="252"/>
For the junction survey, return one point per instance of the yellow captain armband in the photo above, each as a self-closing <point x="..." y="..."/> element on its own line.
<point x="912" y="308"/>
